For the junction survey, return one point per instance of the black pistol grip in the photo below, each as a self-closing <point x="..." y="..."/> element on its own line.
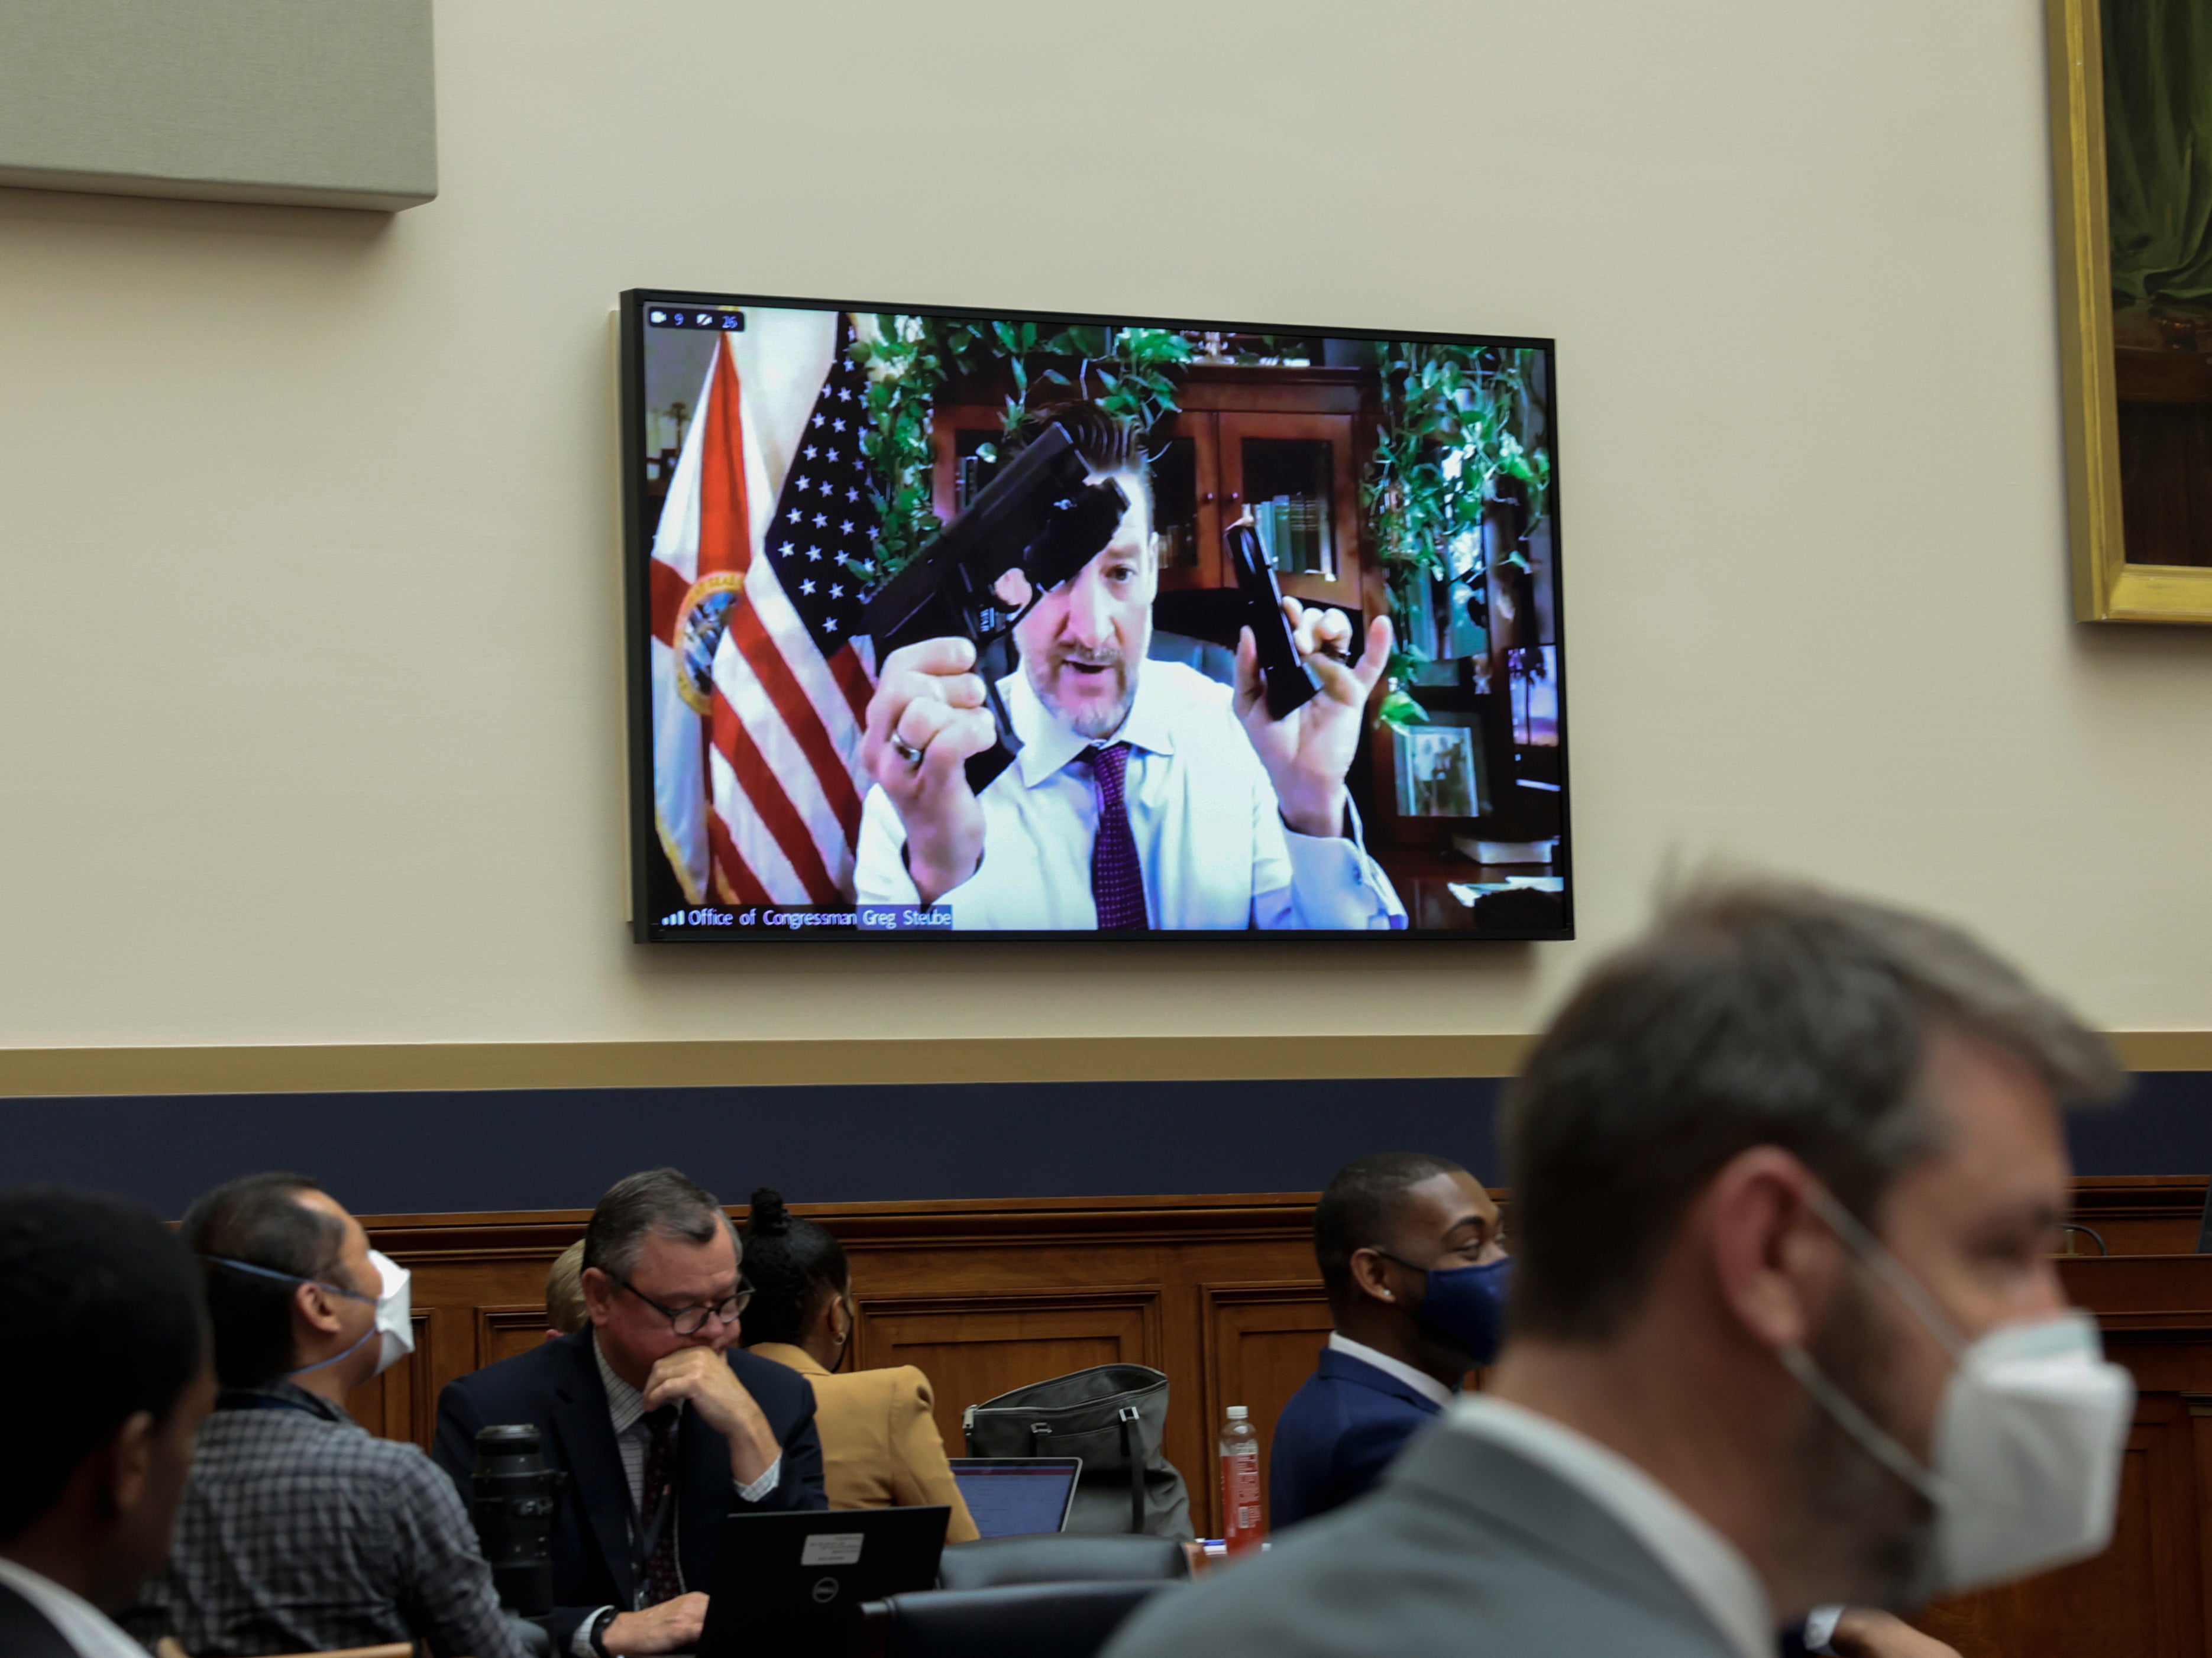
<point x="1290" y="688"/>
<point x="1289" y="681"/>
<point x="984" y="769"/>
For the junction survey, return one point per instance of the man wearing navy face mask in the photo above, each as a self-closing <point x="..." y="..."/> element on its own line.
<point x="298" y="1530"/>
<point x="1411" y="1253"/>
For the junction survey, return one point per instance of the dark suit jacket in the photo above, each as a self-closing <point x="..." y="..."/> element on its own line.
<point x="25" y="1632"/>
<point x="557" y="1386"/>
<point x="1337" y="1435"/>
<point x="1466" y="1546"/>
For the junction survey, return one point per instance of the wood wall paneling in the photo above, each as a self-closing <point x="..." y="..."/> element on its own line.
<point x="2139" y="1214"/>
<point x="1263" y="1341"/>
<point x="1220" y="1293"/>
<point x="973" y="1347"/>
<point x="2145" y="1595"/>
<point x="403" y="1402"/>
<point x="503" y="1332"/>
<point x="2130" y="1600"/>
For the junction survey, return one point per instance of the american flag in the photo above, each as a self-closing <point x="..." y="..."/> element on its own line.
<point x="790" y="689"/>
<point x="791" y="675"/>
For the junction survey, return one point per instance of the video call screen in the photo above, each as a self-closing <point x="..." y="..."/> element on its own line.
<point x="955" y="622"/>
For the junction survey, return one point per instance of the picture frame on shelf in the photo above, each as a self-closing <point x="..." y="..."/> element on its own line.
<point x="1439" y="768"/>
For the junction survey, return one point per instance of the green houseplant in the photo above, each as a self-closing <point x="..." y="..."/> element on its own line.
<point x="1458" y="421"/>
<point x="910" y="359"/>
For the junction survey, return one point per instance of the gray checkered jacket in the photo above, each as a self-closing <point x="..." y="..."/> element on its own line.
<point x="300" y="1531"/>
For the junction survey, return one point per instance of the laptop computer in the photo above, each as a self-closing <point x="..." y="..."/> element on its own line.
<point x="794" y="1582"/>
<point x="1014" y="1496"/>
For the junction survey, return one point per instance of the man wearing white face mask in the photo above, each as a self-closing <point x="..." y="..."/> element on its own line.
<point x="298" y="1530"/>
<point x="1787" y="1327"/>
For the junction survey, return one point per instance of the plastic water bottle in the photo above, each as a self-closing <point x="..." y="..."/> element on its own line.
<point x="1242" y="1524"/>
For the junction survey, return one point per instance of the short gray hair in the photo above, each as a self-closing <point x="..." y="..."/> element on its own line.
<point x="659" y="1202"/>
<point x="1752" y="1013"/>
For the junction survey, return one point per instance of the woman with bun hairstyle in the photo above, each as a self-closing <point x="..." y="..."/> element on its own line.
<point x="880" y="1447"/>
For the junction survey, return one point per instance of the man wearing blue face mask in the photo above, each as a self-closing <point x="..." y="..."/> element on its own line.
<point x="298" y="1530"/>
<point x="1411" y="1253"/>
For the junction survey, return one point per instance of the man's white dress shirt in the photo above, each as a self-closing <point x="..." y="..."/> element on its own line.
<point x="1706" y="1565"/>
<point x="1419" y="1380"/>
<point x="1209" y="832"/>
<point x="82" y="1624"/>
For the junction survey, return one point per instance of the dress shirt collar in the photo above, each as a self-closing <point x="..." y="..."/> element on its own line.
<point x="1419" y="1380"/>
<point x="625" y="1405"/>
<point x="1709" y="1569"/>
<point x="1047" y="743"/>
<point x="82" y="1625"/>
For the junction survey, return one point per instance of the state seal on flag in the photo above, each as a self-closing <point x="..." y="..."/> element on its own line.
<point x="700" y="621"/>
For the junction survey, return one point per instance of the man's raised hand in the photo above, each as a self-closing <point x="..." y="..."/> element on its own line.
<point x="1307" y="753"/>
<point x="926" y="718"/>
<point x="702" y="1376"/>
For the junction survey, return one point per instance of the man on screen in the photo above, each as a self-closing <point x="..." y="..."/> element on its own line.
<point x="1145" y="795"/>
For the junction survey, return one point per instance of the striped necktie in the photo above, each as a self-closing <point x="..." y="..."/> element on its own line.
<point x="1117" y="884"/>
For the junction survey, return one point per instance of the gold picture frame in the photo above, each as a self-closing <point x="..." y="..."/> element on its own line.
<point x="2107" y="586"/>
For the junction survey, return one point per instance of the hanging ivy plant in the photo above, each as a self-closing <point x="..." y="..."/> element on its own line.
<point x="1457" y="421"/>
<point x="905" y="361"/>
<point x="910" y="359"/>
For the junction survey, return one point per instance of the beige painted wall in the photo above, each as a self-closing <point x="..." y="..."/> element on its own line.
<point x="308" y="643"/>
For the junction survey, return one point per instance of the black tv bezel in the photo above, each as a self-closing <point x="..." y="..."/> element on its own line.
<point x="644" y="839"/>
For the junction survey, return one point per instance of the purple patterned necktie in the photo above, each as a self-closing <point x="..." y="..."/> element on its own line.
<point x="664" y="1578"/>
<point x="1117" y="885"/>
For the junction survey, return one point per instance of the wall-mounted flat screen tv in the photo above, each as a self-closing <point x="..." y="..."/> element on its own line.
<point x="945" y="622"/>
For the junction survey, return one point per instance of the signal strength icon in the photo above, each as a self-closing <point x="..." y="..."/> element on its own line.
<point x="673" y="918"/>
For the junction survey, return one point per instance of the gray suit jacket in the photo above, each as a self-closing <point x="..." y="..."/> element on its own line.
<point x="1465" y="1547"/>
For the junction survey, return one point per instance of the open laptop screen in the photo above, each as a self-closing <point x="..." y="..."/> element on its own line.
<point x="1010" y="1497"/>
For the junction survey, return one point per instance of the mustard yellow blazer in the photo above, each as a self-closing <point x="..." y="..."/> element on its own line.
<point x="880" y="1447"/>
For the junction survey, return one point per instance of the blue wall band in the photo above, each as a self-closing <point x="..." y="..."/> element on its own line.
<point x="433" y="1152"/>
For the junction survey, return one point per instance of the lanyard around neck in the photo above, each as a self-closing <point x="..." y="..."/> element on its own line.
<point x="238" y="1398"/>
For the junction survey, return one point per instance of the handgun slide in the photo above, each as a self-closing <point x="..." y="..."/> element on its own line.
<point x="1042" y="515"/>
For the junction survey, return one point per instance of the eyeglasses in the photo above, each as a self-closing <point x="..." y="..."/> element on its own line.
<point x="690" y="1320"/>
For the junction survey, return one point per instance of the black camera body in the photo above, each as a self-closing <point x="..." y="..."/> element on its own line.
<point x="511" y="1499"/>
<point x="1042" y="516"/>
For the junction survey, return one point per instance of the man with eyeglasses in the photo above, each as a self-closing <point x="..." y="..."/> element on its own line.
<point x="661" y="1421"/>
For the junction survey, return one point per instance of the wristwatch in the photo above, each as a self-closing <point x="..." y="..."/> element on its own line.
<point x="596" y="1630"/>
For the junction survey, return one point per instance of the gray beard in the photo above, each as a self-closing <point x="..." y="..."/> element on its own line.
<point x="1095" y="724"/>
<point x="1881" y="1531"/>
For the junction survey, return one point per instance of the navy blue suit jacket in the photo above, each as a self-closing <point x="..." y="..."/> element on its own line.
<point x="557" y="1386"/>
<point x="1337" y="1435"/>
